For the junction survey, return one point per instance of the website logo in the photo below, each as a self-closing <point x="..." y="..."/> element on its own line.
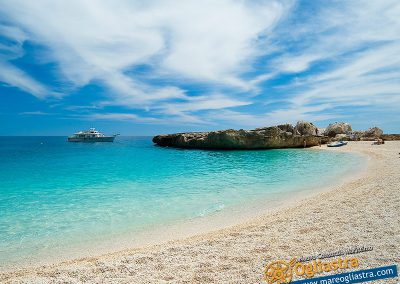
<point x="279" y="272"/>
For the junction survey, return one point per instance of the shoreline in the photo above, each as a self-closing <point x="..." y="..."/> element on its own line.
<point x="189" y="242"/>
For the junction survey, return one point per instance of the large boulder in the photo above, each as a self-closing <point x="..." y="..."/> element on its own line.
<point x="286" y="127"/>
<point x="373" y="132"/>
<point x="356" y="135"/>
<point x="281" y="136"/>
<point x="306" y="128"/>
<point x="338" y="128"/>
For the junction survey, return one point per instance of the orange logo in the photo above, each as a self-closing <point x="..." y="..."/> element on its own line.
<point x="279" y="272"/>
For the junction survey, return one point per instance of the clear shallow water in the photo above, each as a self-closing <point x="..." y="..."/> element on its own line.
<point x="54" y="194"/>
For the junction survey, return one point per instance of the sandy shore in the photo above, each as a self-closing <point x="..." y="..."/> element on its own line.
<point x="361" y="212"/>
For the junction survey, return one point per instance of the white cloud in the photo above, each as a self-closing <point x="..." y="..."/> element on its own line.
<point x="370" y="78"/>
<point x="345" y="54"/>
<point x="206" y="41"/>
<point x="179" y="119"/>
<point x="214" y="101"/>
<point x="338" y="29"/>
<point x="357" y="45"/>
<point x="118" y="117"/>
<point x="13" y="76"/>
<point x="281" y="116"/>
<point x="215" y="40"/>
<point x="34" y="113"/>
<point x="13" y="33"/>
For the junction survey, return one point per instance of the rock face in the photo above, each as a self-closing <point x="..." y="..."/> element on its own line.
<point x="373" y="132"/>
<point x="281" y="136"/>
<point x="391" y="137"/>
<point x="342" y="137"/>
<point x="368" y="135"/>
<point x="306" y="128"/>
<point x="338" y="128"/>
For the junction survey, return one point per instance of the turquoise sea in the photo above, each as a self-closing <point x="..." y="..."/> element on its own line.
<point x="55" y="194"/>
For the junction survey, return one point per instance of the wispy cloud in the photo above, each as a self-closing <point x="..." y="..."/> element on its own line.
<point x="262" y="62"/>
<point x="15" y="77"/>
<point x="118" y="117"/>
<point x="202" y="41"/>
<point x="179" y="119"/>
<point x="11" y="75"/>
<point x="232" y="118"/>
<point x="35" y="113"/>
<point x="343" y="56"/>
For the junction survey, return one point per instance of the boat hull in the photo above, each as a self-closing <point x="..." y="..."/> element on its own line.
<point x="337" y="144"/>
<point x="92" y="139"/>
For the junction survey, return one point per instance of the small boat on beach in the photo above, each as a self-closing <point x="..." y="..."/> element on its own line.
<point x="337" y="144"/>
<point x="91" y="135"/>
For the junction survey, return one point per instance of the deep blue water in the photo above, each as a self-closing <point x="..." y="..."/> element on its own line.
<point x="54" y="193"/>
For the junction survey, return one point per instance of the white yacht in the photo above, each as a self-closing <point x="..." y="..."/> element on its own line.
<point x="91" y="135"/>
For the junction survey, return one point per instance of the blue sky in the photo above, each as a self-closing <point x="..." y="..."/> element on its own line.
<point x="148" y="67"/>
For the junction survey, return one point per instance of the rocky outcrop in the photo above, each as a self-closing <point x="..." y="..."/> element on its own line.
<point x="356" y="135"/>
<point x="343" y="137"/>
<point x="368" y="135"/>
<point x="391" y="137"/>
<point x="373" y="132"/>
<point x="281" y="136"/>
<point x="306" y="128"/>
<point x="338" y="128"/>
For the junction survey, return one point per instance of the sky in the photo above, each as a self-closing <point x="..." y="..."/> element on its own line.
<point x="151" y="67"/>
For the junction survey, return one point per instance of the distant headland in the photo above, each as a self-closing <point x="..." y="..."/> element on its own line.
<point x="303" y="134"/>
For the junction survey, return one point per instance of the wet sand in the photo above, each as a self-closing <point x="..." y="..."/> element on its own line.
<point x="364" y="211"/>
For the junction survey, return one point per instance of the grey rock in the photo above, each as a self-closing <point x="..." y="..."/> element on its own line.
<point x="391" y="137"/>
<point x="373" y="132"/>
<point x="281" y="136"/>
<point x="286" y="127"/>
<point x="338" y="128"/>
<point x="342" y="137"/>
<point x="306" y="128"/>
